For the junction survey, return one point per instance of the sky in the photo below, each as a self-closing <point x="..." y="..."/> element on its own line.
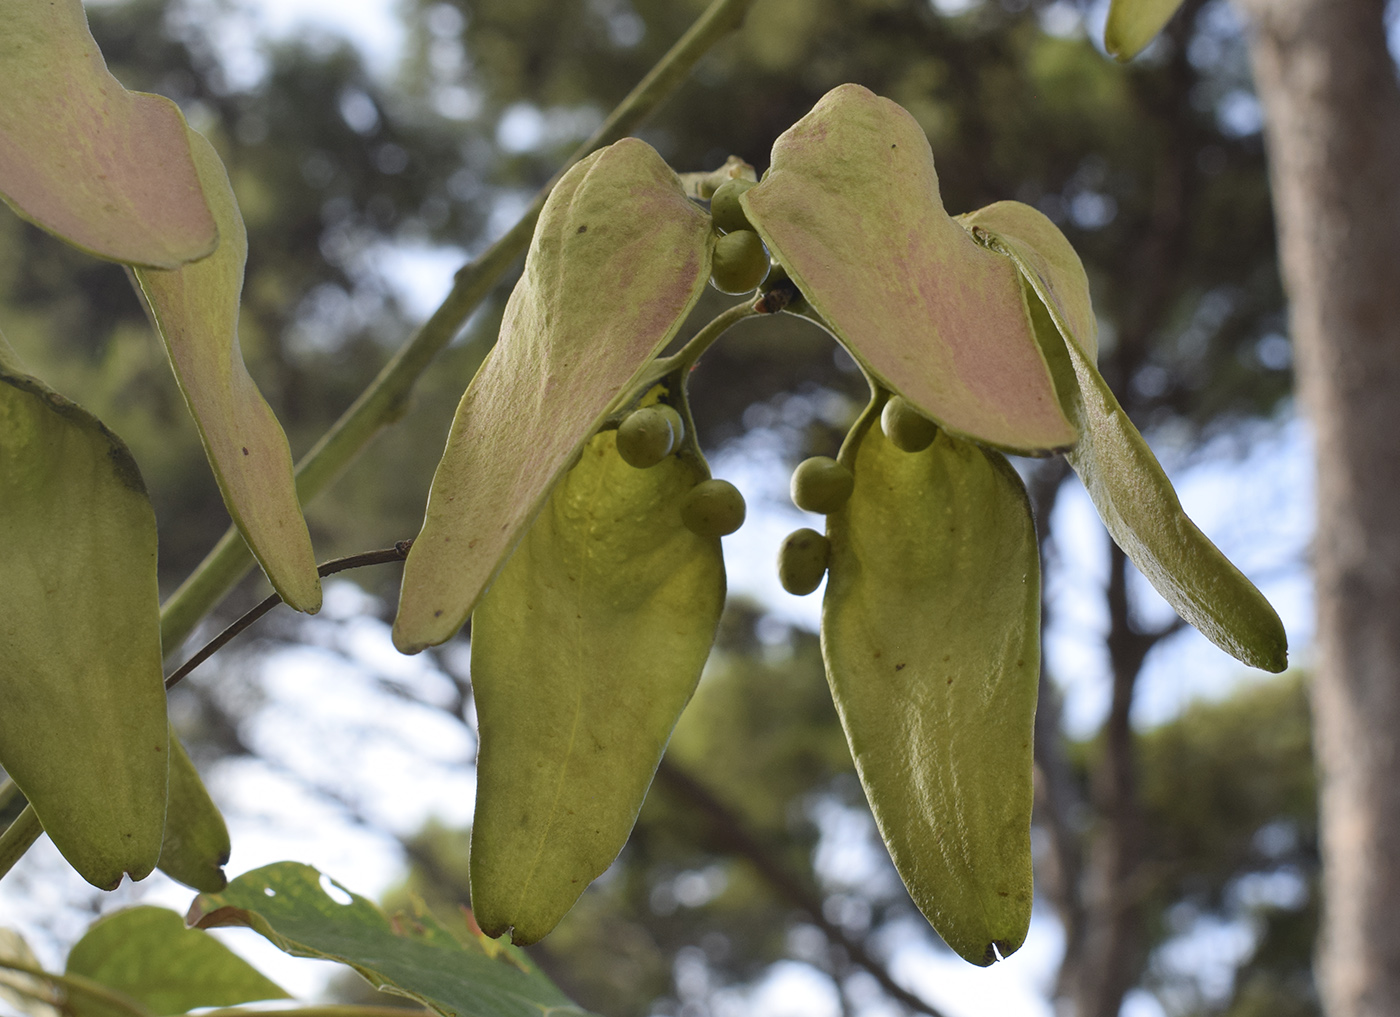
<point x="330" y="716"/>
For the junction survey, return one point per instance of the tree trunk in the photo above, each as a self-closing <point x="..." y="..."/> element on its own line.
<point x="1332" y="115"/>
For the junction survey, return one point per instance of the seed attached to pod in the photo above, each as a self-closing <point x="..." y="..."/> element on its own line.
<point x="821" y="484"/>
<point x="802" y="561"/>
<point x="673" y="417"/>
<point x="647" y="436"/>
<point x="907" y="429"/>
<point x="740" y="262"/>
<point x="725" y="210"/>
<point x="713" y="508"/>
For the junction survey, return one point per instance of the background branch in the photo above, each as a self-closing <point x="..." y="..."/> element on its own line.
<point x="732" y="834"/>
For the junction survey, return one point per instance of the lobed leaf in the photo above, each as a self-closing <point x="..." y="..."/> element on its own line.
<point x="851" y="209"/>
<point x="619" y="257"/>
<point x="83" y="731"/>
<point x="408" y="955"/>
<point x="148" y="955"/>
<point x="195" y="310"/>
<point x="931" y="635"/>
<point x="584" y="652"/>
<point x="1132" y="24"/>
<point x="1126" y="483"/>
<point x="108" y="170"/>
<point x="195" y="846"/>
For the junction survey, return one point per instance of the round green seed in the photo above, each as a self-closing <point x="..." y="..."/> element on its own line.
<point x="673" y="417"/>
<point x="802" y="561"/>
<point x="646" y="436"/>
<point x="821" y="484"/>
<point x="713" y="508"/>
<point x="725" y="210"/>
<point x="907" y="429"/>
<point x="740" y="262"/>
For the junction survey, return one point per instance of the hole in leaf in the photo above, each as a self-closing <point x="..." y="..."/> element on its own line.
<point x="335" y="891"/>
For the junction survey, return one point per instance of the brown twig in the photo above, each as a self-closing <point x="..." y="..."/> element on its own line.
<point x="382" y="556"/>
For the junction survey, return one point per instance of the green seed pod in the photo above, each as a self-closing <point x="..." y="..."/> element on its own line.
<point x="725" y="210"/>
<point x="802" y="561"/>
<point x="821" y="484"/>
<point x="646" y="436"/>
<point x="740" y="262"/>
<point x="713" y="508"/>
<point x="907" y="429"/>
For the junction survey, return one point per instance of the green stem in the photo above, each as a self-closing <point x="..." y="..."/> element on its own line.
<point x="683" y="359"/>
<point x="18" y="837"/>
<point x="327" y="1010"/>
<point x="384" y="399"/>
<point x="686" y="357"/>
<point x="8" y="790"/>
<point x="77" y="985"/>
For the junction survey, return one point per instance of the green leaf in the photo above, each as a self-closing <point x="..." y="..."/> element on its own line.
<point x="83" y="732"/>
<point x="147" y="954"/>
<point x="408" y="955"/>
<point x="931" y="634"/>
<point x="619" y="257"/>
<point x="1132" y="24"/>
<point x="195" y="847"/>
<point x="584" y="652"/>
<point x="195" y="309"/>
<point x="30" y="995"/>
<point x="105" y="169"/>
<point x="851" y="209"/>
<point x="1126" y="483"/>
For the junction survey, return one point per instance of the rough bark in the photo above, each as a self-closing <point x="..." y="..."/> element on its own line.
<point x="1332" y="116"/>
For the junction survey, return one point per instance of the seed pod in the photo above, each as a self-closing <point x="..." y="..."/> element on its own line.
<point x="584" y="652"/>
<point x="907" y="429"/>
<point x="713" y="508"/>
<point x="740" y="262"/>
<point x="725" y="210"/>
<point x="802" y="561"/>
<point x="931" y="638"/>
<point x="646" y="436"/>
<point x="821" y="484"/>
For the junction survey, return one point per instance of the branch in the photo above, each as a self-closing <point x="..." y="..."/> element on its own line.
<point x="383" y="400"/>
<point x="80" y="986"/>
<point x="18" y="837"/>
<point x="1059" y="807"/>
<point x="735" y="836"/>
<point x="325" y="1010"/>
<point x="381" y="557"/>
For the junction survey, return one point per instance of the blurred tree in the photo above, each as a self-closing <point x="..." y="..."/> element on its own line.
<point x="1332" y="106"/>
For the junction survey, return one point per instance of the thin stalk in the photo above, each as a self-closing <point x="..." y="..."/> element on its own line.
<point x="8" y="790"/>
<point x="384" y="399"/>
<point x="326" y="1010"/>
<point x="382" y="557"/>
<point x="688" y="355"/>
<point x="18" y="837"/>
<point x="685" y="358"/>
<point x="77" y="985"/>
